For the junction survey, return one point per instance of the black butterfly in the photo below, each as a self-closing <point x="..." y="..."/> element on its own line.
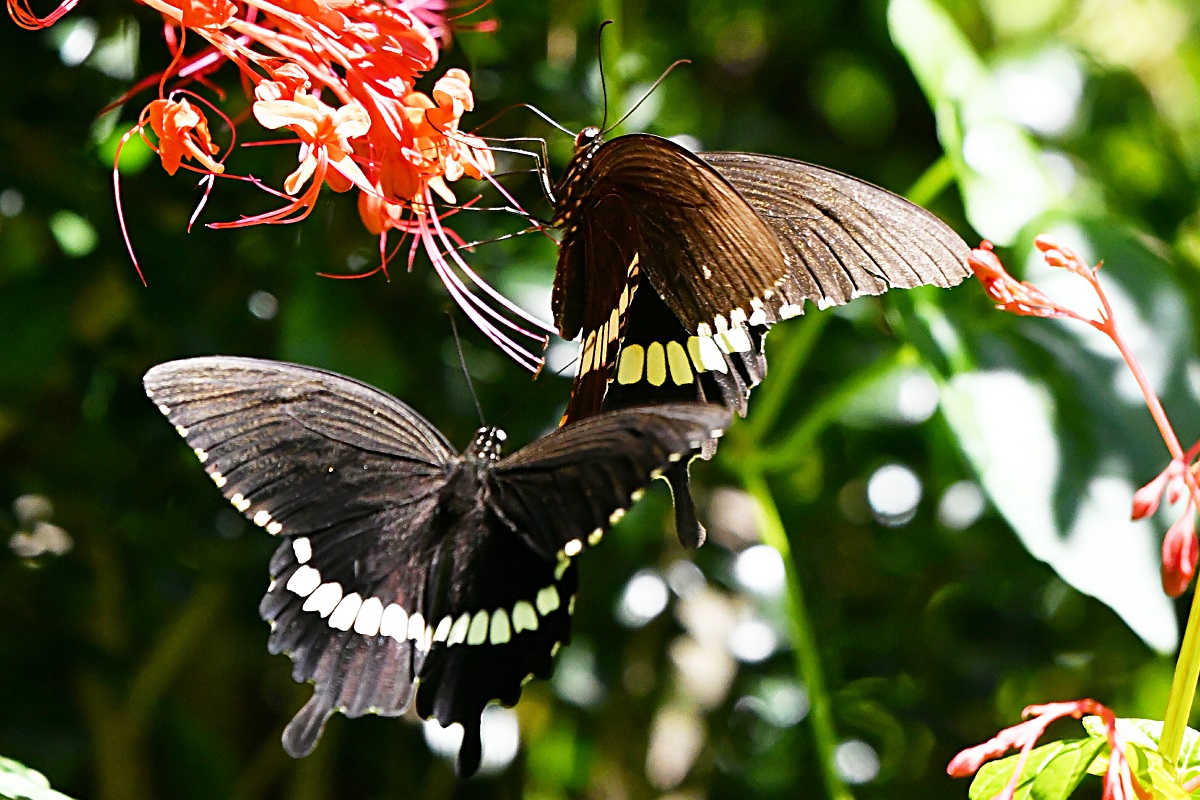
<point x="674" y="265"/>
<point x="400" y="559"/>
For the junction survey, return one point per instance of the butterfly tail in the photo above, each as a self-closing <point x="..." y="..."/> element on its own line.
<point x="301" y="734"/>
<point x="687" y="527"/>
<point x="471" y="753"/>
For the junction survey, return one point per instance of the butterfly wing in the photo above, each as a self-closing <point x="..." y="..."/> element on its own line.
<point x="841" y="237"/>
<point x="511" y="578"/>
<point x="349" y="478"/>
<point x="700" y="245"/>
<point x="562" y="492"/>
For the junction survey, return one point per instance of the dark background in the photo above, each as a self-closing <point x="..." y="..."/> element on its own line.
<point x="134" y="665"/>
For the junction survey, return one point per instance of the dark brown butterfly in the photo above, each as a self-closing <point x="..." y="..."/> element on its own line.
<point x="674" y="265"/>
<point x="401" y="561"/>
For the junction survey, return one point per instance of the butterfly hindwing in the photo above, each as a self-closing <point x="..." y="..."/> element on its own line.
<point x="563" y="492"/>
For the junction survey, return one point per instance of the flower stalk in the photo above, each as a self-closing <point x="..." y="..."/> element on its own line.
<point x="1180" y="547"/>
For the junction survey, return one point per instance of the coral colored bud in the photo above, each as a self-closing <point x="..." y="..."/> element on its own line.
<point x="1179" y="553"/>
<point x="1146" y="499"/>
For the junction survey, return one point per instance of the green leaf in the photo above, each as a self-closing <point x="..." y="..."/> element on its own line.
<point x="1055" y="428"/>
<point x="1004" y="185"/>
<point x="1052" y="771"/>
<point x="18" y="782"/>
<point x="1141" y="736"/>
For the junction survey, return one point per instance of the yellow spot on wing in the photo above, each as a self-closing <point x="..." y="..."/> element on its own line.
<point x="681" y="372"/>
<point x="656" y="364"/>
<point x="630" y="368"/>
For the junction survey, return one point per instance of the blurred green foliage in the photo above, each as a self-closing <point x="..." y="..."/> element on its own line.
<point x="134" y="662"/>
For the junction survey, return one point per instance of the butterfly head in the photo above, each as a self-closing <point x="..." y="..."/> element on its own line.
<point x="486" y="445"/>
<point x="588" y="138"/>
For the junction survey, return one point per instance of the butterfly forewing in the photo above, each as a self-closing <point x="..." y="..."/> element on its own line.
<point x="343" y="473"/>
<point x="842" y="237"/>
<point x="700" y="245"/>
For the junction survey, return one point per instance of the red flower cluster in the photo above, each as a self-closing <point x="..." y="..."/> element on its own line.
<point x="1180" y="547"/>
<point x="1119" y="782"/>
<point x="339" y="75"/>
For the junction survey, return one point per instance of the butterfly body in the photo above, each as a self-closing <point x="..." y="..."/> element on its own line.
<point x="400" y="560"/>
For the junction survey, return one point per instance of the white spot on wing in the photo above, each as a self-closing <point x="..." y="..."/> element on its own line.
<point x="524" y="618"/>
<point x="458" y="632"/>
<point x="443" y="629"/>
<point x="615" y="516"/>
<point x="710" y="355"/>
<point x="304" y="581"/>
<point x="369" y="617"/>
<point x="218" y="479"/>
<point x="416" y="627"/>
<point x="637" y="495"/>
<point x="573" y="547"/>
<point x="200" y="454"/>
<point x="500" y="632"/>
<point x="394" y="622"/>
<point x="302" y="547"/>
<point x="324" y="599"/>
<point x="239" y="502"/>
<point x="262" y="518"/>
<point x="343" y="616"/>
<point x="182" y="431"/>
<point x="547" y="600"/>
<point x="274" y="528"/>
<point x="478" y="632"/>
<point x="595" y="536"/>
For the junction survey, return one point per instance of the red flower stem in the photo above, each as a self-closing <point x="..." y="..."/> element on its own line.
<point x="1187" y="668"/>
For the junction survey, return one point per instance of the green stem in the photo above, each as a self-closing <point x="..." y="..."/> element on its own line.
<point x="1183" y="686"/>
<point x="181" y="639"/>
<point x="932" y="182"/>
<point x="796" y="346"/>
<point x="804" y="644"/>
<point x="800" y="438"/>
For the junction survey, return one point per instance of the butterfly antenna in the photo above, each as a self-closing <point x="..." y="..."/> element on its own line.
<point x="647" y="94"/>
<point x="600" y="61"/>
<point x="545" y="117"/>
<point x="462" y="360"/>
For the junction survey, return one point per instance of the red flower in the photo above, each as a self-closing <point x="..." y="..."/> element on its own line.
<point x="182" y="132"/>
<point x="340" y="76"/>
<point x="1179" y="553"/>
<point x="1119" y="782"/>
